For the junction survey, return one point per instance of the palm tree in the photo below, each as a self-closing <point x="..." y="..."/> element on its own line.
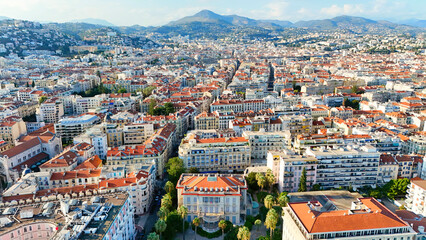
<point x="270" y="178"/>
<point x="283" y="199"/>
<point x="153" y="236"/>
<point x="163" y="212"/>
<point x="166" y="201"/>
<point x="222" y="225"/>
<point x="169" y="187"/>
<point x="196" y="223"/>
<point x="271" y="221"/>
<point x="257" y="223"/>
<point x="183" y="211"/>
<point x="160" y="226"/>
<point x="269" y="201"/>
<point x="243" y="233"/>
<point x="261" y="180"/>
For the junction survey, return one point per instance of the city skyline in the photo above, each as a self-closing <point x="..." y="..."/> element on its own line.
<point x="156" y="13"/>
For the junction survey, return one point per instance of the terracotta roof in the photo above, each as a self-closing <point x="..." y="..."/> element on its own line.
<point x="22" y="147"/>
<point x="91" y="163"/>
<point x="336" y="221"/>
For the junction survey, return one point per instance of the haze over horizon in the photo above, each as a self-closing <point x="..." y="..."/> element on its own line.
<point x="155" y="13"/>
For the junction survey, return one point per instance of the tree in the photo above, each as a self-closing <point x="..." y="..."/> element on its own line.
<point x="32" y="83"/>
<point x="146" y="92"/>
<point x="175" y="168"/>
<point x="252" y="181"/>
<point x="271" y="220"/>
<point x="153" y="236"/>
<point x="269" y="201"/>
<point x="222" y="225"/>
<point x="169" y="108"/>
<point x="152" y="105"/>
<point x="166" y="201"/>
<point x="163" y="212"/>
<point x="270" y="178"/>
<point x="283" y="199"/>
<point x="42" y="99"/>
<point x="261" y="180"/>
<point x="169" y="187"/>
<point x="243" y="233"/>
<point x="396" y="187"/>
<point x="122" y="90"/>
<point x="27" y="85"/>
<point x="302" y="183"/>
<point x="160" y="226"/>
<point x="194" y="170"/>
<point x="354" y="89"/>
<point x="196" y="222"/>
<point x="316" y="187"/>
<point x="257" y="223"/>
<point x="183" y="211"/>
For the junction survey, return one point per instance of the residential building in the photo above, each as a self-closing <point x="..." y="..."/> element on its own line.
<point x="206" y="121"/>
<point x="70" y="127"/>
<point x="388" y="169"/>
<point x="416" y="194"/>
<point x="96" y="137"/>
<point x="212" y="197"/>
<point x="366" y="218"/>
<point x="287" y="168"/>
<point x="346" y="166"/>
<point x="50" y="111"/>
<point x="215" y="154"/>
<point x="262" y="142"/>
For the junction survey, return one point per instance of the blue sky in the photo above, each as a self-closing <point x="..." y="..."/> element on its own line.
<point x="159" y="12"/>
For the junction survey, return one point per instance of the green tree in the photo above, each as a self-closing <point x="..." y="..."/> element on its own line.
<point x="283" y="199"/>
<point x="222" y="225"/>
<point x="153" y="236"/>
<point x="196" y="222"/>
<point x="271" y="220"/>
<point x="183" y="211"/>
<point x="146" y="92"/>
<point x="175" y="168"/>
<point x="42" y="99"/>
<point x="302" y="183"/>
<point x="354" y="89"/>
<point x="169" y="187"/>
<point x="163" y="212"/>
<point x="316" y="187"/>
<point x="243" y="233"/>
<point x="122" y="90"/>
<point x="27" y="85"/>
<point x="166" y="201"/>
<point x="160" y="226"/>
<point x="32" y="83"/>
<point x="269" y="201"/>
<point x="169" y="108"/>
<point x="194" y="170"/>
<point x="270" y="178"/>
<point x="261" y="180"/>
<point x="398" y="187"/>
<point x="257" y="223"/>
<point x="251" y="181"/>
<point x="152" y="105"/>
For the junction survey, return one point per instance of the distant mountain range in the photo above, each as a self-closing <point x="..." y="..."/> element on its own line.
<point x="207" y="16"/>
<point x="94" y="21"/>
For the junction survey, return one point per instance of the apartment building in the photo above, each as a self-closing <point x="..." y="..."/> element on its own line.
<point x="415" y="144"/>
<point x="206" y="121"/>
<point x="70" y="127"/>
<point x="287" y="168"/>
<point x="50" y="111"/>
<point x="416" y="194"/>
<point x="296" y="124"/>
<point x="366" y="218"/>
<point x="213" y="197"/>
<point x="224" y="118"/>
<point x="262" y="142"/>
<point x="114" y="135"/>
<point x="137" y="133"/>
<point x="346" y="166"/>
<point x="11" y="128"/>
<point x="388" y="169"/>
<point x="215" y="154"/>
<point x="96" y="137"/>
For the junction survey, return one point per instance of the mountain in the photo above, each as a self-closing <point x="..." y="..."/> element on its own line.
<point x="279" y="23"/>
<point x="207" y="16"/>
<point x="414" y="23"/>
<point x="93" y="21"/>
<point x="341" y="21"/>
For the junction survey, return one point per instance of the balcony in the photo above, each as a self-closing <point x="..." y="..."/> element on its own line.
<point x="408" y="200"/>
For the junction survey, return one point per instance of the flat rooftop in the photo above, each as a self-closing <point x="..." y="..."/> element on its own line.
<point x="330" y="200"/>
